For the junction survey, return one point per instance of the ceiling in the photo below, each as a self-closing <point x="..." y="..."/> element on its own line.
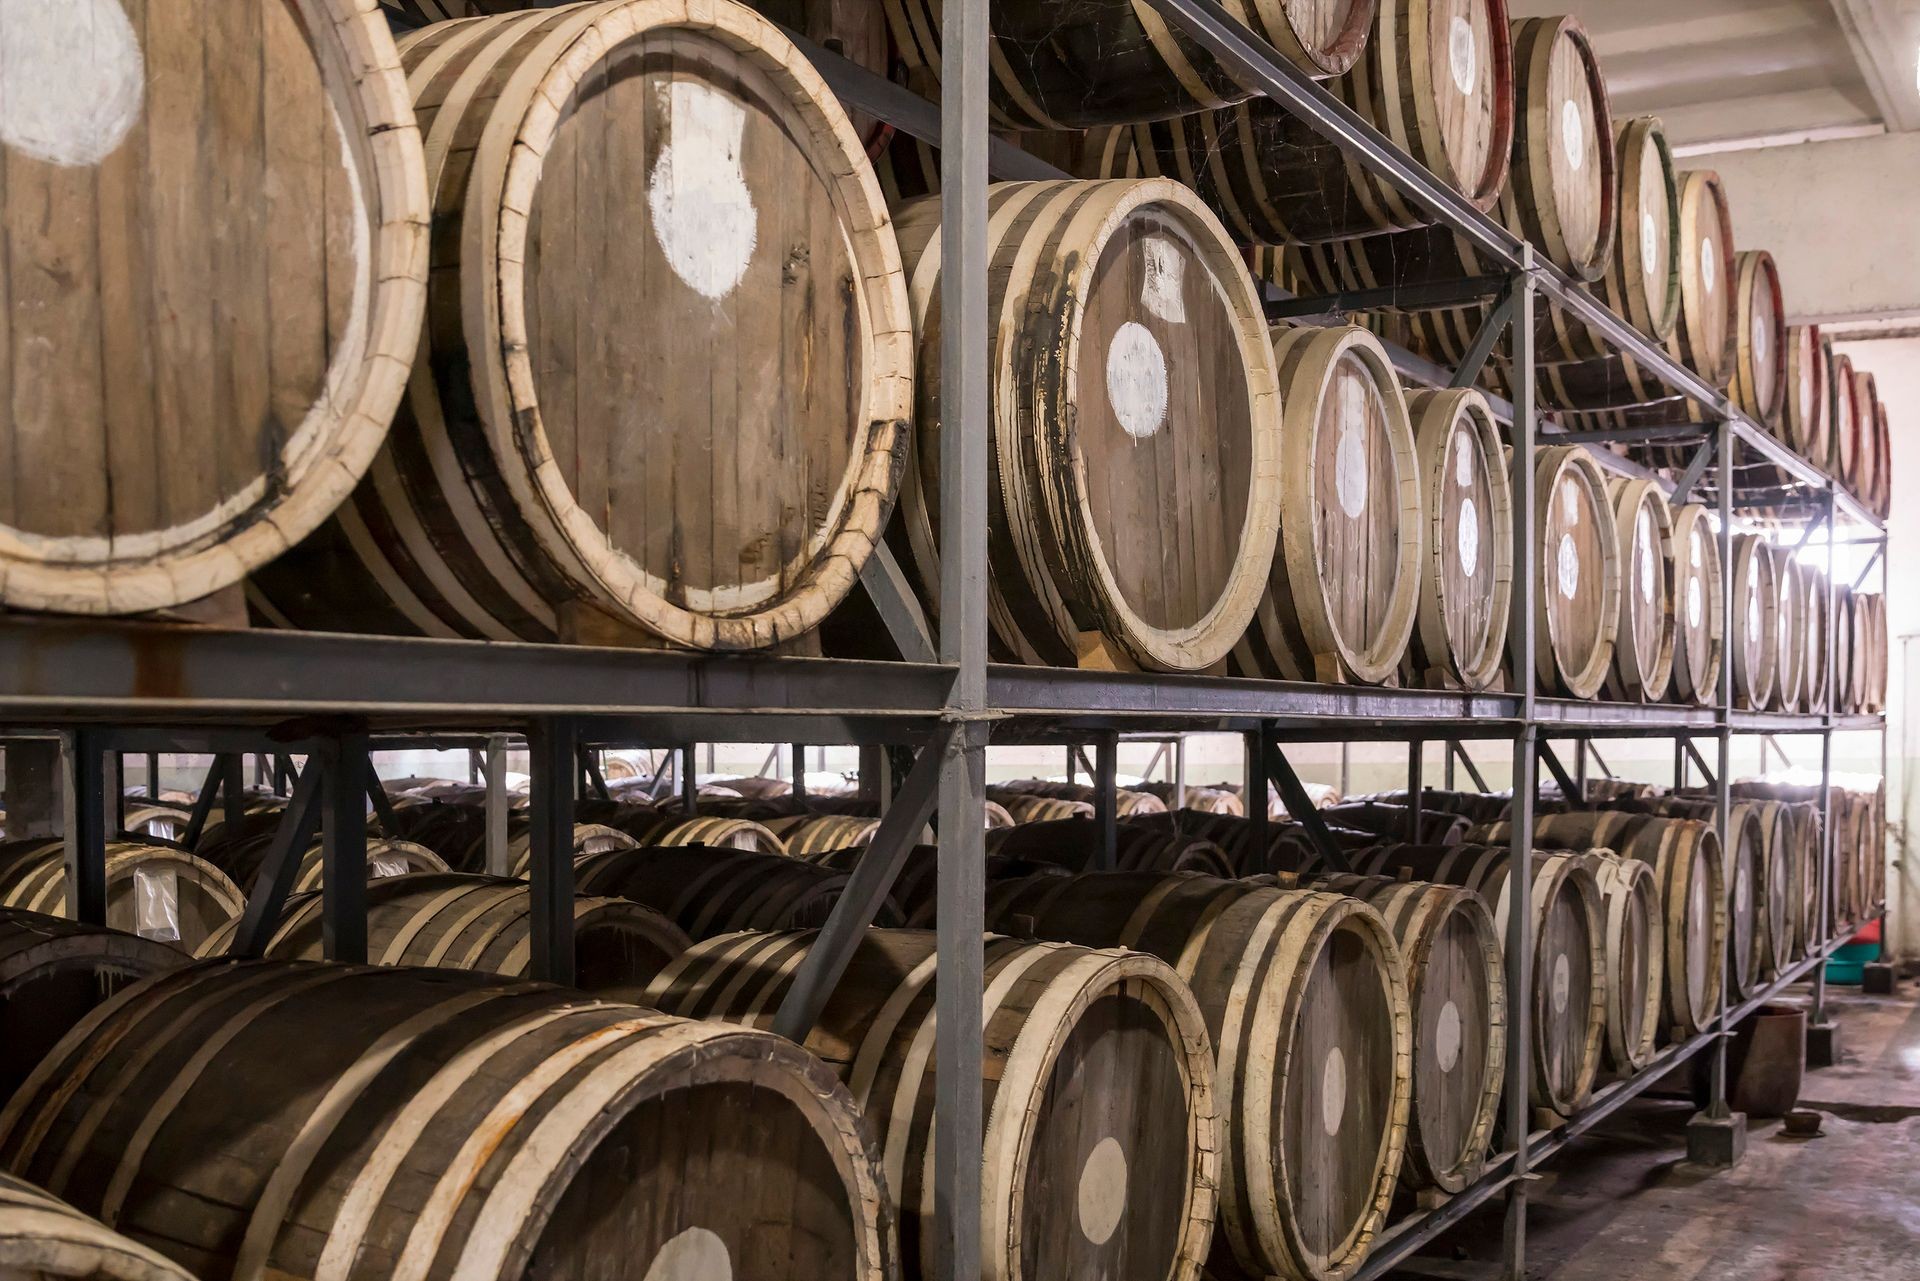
<point x="1735" y="74"/>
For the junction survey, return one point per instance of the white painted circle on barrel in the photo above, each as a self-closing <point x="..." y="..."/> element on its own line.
<point x="694" y="1255"/>
<point x="1446" y="1037"/>
<point x="1709" y="267"/>
<point x="1103" y="1191"/>
<point x="1573" y="132"/>
<point x="1469" y="538"/>
<point x="1463" y="460"/>
<point x="1695" y="602"/>
<point x="72" y="80"/>
<point x="1350" y="472"/>
<point x="1333" y="1091"/>
<point x="1742" y="893"/>
<point x="1162" y="289"/>
<point x="1137" y="380"/>
<point x="1562" y="982"/>
<point x="1463" y="53"/>
<point x="1649" y="244"/>
<point x="1753" y="610"/>
<point x="1569" y="567"/>
<point x="703" y="212"/>
<point x="1570" y="502"/>
<point x="1760" y="339"/>
<point x="1693" y="547"/>
<point x="1644" y="536"/>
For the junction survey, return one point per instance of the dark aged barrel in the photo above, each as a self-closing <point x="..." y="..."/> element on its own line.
<point x="708" y="891"/>
<point x="52" y="972"/>
<point x="1636" y="959"/>
<point x="44" y="1239"/>
<point x="1137" y="452"/>
<point x="1101" y="1145"/>
<point x="1345" y="584"/>
<point x="1760" y="338"/>
<point x="592" y="355"/>
<point x="1790" y="629"/>
<point x="244" y="859"/>
<point x="1074" y="844"/>
<point x="1754" y="637"/>
<point x="1069" y="64"/>
<point x="1578" y="589"/>
<point x="1699" y="611"/>
<point x="1305" y="998"/>
<point x="437" y="1124"/>
<point x="1436" y="79"/>
<point x="209" y="338"/>
<point x="1233" y="833"/>
<point x="1466" y="586"/>
<point x="155" y="891"/>
<point x="1643" y="651"/>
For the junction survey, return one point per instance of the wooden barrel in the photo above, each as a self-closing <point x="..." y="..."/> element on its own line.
<point x="1843" y="443"/>
<point x="1459" y="638"/>
<point x="914" y="899"/>
<point x="1305" y="998"/>
<point x="1879" y="497"/>
<point x="154" y="891"/>
<point x="1569" y="998"/>
<point x="1804" y="424"/>
<point x="1136" y="452"/>
<point x="1101" y="1145"/>
<point x="1396" y="822"/>
<point x="458" y="921"/>
<point x="1878" y="641"/>
<point x="717" y="833"/>
<point x="804" y="834"/>
<point x="1813" y="611"/>
<point x="1233" y="833"/>
<point x="1790" y="629"/>
<point x="588" y="838"/>
<point x="42" y="1238"/>
<point x="1207" y="800"/>
<point x="555" y="478"/>
<point x="1074" y="844"/>
<point x="1562" y="196"/>
<point x="1699" y="610"/>
<point x="244" y="859"/>
<point x="1857" y="463"/>
<point x="1060" y="65"/>
<point x="52" y="973"/>
<point x="1636" y="959"/>
<point x="1757" y="887"/>
<point x="1026" y="808"/>
<point x="1578" y="586"/>
<point x="713" y="891"/>
<point x="1345" y="585"/>
<point x="1436" y="79"/>
<point x="211" y="336"/>
<point x="1760" y="376"/>
<point x="441" y="1124"/>
<point x="1755" y="635"/>
<point x="1128" y="802"/>
<point x="1644" y="644"/>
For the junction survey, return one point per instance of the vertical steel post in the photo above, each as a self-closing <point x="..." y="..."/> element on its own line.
<point x="550" y="743"/>
<point x="689" y="783"/>
<point x="499" y="859"/>
<point x="1180" y="772"/>
<point x="1256" y="791"/>
<point x="964" y="400"/>
<point x="800" y="770"/>
<point x="233" y="789"/>
<point x="87" y="806"/>
<point x="1723" y="773"/>
<point x="1817" y="1017"/>
<point x="1416" y="784"/>
<point x="153" y="776"/>
<point x="343" y="845"/>
<point x="1106" y="799"/>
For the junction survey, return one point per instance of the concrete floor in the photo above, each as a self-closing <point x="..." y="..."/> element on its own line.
<point x="1623" y="1204"/>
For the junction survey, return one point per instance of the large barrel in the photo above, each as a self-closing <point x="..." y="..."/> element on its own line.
<point x="1759" y="338"/>
<point x="1843" y="442"/>
<point x="1305" y="998"/>
<point x="1027" y="808"/>
<point x="714" y="832"/>
<point x="52" y="972"/>
<point x="804" y="834"/>
<point x="210" y="335"/>
<point x="1643" y="650"/>
<point x="1858" y="462"/>
<point x="1562" y="196"/>
<point x="1209" y="799"/>
<point x="1754" y="638"/>
<point x="712" y="891"/>
<point x="1790" y="628"/>
<point x="1101" y="1145"/>
<point x="154" y="891"/>
<point x="1805" y="410"/>
<point x="42" y="1238"/>
<point x="1233" y="833"/>
<point x="440" y="1124"/>
<point x="592" y="355"/>
<point x="1128" y="802"/>
<point x="1067" y="64"/>
<point x="1756" y="889"/>
<point x="1578" y="587"/>
<point x="1436" y="79"/>
<point x="1636" y="959"/>
<point x="1136" y="446"/>
<point x="245" y="858"/>
<point x="1815" y="603"/>
<point x="1699" y="609"/>
<point x="483" y="923"/>
<point x="1346" y="583"/>
<point x="1074" y="843"/>
<point x="1466" y="576"/>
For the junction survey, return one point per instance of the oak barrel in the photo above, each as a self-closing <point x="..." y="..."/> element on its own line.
<point x="552" y="473"/>
<point x="42" y="1238"/>
<point x="1636" y="959"/>
<point x="1578" y="589"/>
<point x="715" y="832"/>
<point x="1305" y="998"/>
<point x="439" y="1124"/>
<point x="805" y="834"/>
<point x="1466" y="579"/>
<point x="1699" y="607"/>
<point x="1757" y="885"/>
<point x="1129" y="802"/>
<point x="1843" y="444"/>
<point x="155" y="891"/>
<point x="211" y="334"/>
<point x="1027" y="808"/>
<point x="1754" y="639"/>
<point x="1074" y="843"/>
<point x="1760" y="374"/>
<point x="1790" y="628"/>
<point x="708" y="891"/>
<point x="1345" y="584"/>
<point x="1643" y="651"/>
<point x="1805" y="410"/>
<point x="244" y="859"/>
<point x="1101" y="1147"/>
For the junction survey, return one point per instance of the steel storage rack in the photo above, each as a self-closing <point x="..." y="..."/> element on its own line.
<point x="108" y="689"/>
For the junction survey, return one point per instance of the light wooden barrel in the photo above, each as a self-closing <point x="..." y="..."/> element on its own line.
<point x="1815" y="602"/>
<point x="210" y="335"/>
<point x="1305" y="998"/>
<point x="1636" y="958"/>
<point x="1790" y="629"/>
<point x="1101" y="1145"/>
<point x="1755" y="636"/>
<point x="1858" y="461"/>
<point x="1201" y="797"/>
<point x="1699" y="610"/>
<point x="713" y="891"/>
<point x="717" y="833"/>
<point x="1805" y="410"/>
<point x="1760" y="374"/>
<point x="443" y="1124"/>
<point x="1436" y="79"/>
<point x="457" y="921"/>
<point x="1878" y="641"/>
<point x="805" y="834"/>
<point x="1345" y="586"/>
<point x="1456" y="986"/>
<point x="1562" y="196"/>
<point x="1074" y="843"/>
<point x="52" y="972"/>
<point x="1129" y="802"/>
<point x="1843" y="444"/>
<point x="1757" y="888"/>
<point x="1027" y="808"/>
<point x="1466" y="586"/>
<point x="1569" y="997"/>
<point x="555" y="477"/>
<point x="1136" y="439"/>
<point x="1644" y="644"/>
<point x="42" y="1238"/>
<point x="155" y="891"/>
<point x="1070" y="65"/>
<point x="244" y="859"/>
<point x="588" y="838"/>
<point x="1578" y="590"/>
